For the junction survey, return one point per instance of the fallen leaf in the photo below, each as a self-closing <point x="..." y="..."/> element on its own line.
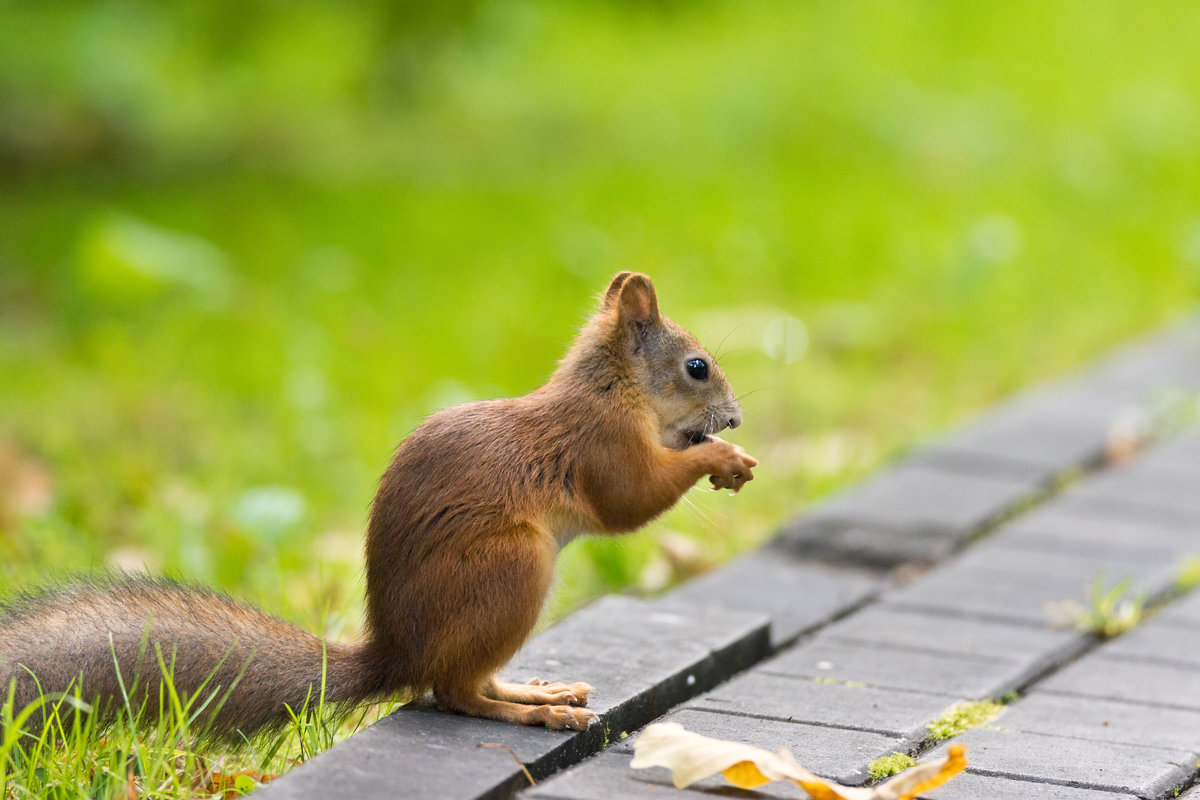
<point x="232" y="786"/>
<point x="692" y="757"/>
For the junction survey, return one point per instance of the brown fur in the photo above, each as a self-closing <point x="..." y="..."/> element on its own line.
<point x="460" y="547"/>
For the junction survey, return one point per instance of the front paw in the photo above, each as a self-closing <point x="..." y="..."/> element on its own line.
<point x="731" y="466"/>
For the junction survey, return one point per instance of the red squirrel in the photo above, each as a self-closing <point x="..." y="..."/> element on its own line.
<point x="460" y="547"/>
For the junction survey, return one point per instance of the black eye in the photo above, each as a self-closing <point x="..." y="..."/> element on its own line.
<point x="697" y="368"/>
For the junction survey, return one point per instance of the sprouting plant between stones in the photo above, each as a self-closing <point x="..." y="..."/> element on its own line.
<point x="1109" y="613"/>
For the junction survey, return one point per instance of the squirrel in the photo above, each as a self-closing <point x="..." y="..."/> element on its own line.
<point x="460" y="548"/>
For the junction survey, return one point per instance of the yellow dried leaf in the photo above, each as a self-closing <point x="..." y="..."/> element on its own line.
<point x="745" y="775"/>
<point x="692" y="757"/>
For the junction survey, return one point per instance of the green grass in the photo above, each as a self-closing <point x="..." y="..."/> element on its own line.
<point x="230" y="283"/>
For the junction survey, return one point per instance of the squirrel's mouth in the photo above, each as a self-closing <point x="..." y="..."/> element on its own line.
<point x="685" y="439"/>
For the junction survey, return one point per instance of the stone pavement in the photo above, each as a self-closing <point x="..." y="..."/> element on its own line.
<point x="873" y="614"/>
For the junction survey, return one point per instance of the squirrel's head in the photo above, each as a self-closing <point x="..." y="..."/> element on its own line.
<point x="686" y="391"/>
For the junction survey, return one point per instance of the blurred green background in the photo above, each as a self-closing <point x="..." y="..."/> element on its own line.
<point x="245" y="248"/>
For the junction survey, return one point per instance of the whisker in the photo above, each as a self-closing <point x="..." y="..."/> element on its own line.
<point x="704" y="516"/>
<point x="717" y="355"/>
<point x="752" y="391"/>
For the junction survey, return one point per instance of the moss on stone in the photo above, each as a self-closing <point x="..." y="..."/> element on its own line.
<point x="962" y="717"/>
<point x="891" y="765"/>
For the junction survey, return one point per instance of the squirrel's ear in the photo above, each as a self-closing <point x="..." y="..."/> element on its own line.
<point x="638" y="302"/>
<point x="614" y="289"/>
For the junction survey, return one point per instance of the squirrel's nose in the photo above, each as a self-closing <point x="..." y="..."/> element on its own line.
<point x="734" y="419"/>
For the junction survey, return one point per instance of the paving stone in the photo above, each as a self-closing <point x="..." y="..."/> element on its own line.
<point x="641" y="659"/>
<point x="1120" y="768"/>
<point x="982" y="787"/>
<point x="1159" y="640"/>
<point x="1098" y="505"/>
<point x="1181" y="451"/>
<point x="1147" y="482"/>
<point x="634" y="651"/>
<point x="608" y="775"/>
<point x="830" y="752"/>
<point x="1164" y="359"/>
<point x="797" y="597"/>
<point x="1134" y="681"/>
<point x="934" y="633"/>
<point x="1019" y="653"/>
<point x="1056" y="529"/>
<point x="1036" y="435"/>
<point x="1025" y="569"/>
<point x="962" y="676"/>
<point x="1185" y="611"/>
<point x="917" y="497"/>
<point x="1100" y="720"/>
<point x="1080" y="567"/>
<point x="909" y="513"/>
<point x="983" y="593"/>
<point x="887" y="711"/>
<point x="863" y="544"/>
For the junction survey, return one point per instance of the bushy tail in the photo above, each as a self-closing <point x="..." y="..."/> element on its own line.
<point x="104" y="637"/>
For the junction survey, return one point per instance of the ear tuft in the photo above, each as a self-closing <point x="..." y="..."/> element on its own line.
<point x="638" y="301"/>
<point x="614" y="289"/>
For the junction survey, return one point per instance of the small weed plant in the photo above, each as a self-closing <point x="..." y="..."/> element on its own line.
<point x="1109" y="612"/>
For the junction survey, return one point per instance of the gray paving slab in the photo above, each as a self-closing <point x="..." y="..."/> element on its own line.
<point x="1056" y="529"/>
<point x="1159" y="640"/>
<point x="868" y="545"/>
<point x="1158" y="484"/>
<point x="797" y="597"/>
<point x="1182" y="451"/>
<point x="1038" y="434"/>
<point x="963" y="676"/>
<point x="1134" y="681"/>
<point x="982" y="593"/>
<point x="1077" y="567"/>
<point x="1101" y="720"/>
<point x="983" y="787"/>
<point x="1124" y="506"/>
<point x="886" y="711"/>
<point x="1185" y="611"/>
<point x="830" y="752"/>
<point x="608" y="775"/>
<point x="909" y="513"/>
<point x="1163" y="359"/>
<point x="633" y="650"/>
<point x="1120" y="768"/>
<point x="943" y="633"/>
<point x="1021" y="652"/>
<point x="642" y="660"/>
